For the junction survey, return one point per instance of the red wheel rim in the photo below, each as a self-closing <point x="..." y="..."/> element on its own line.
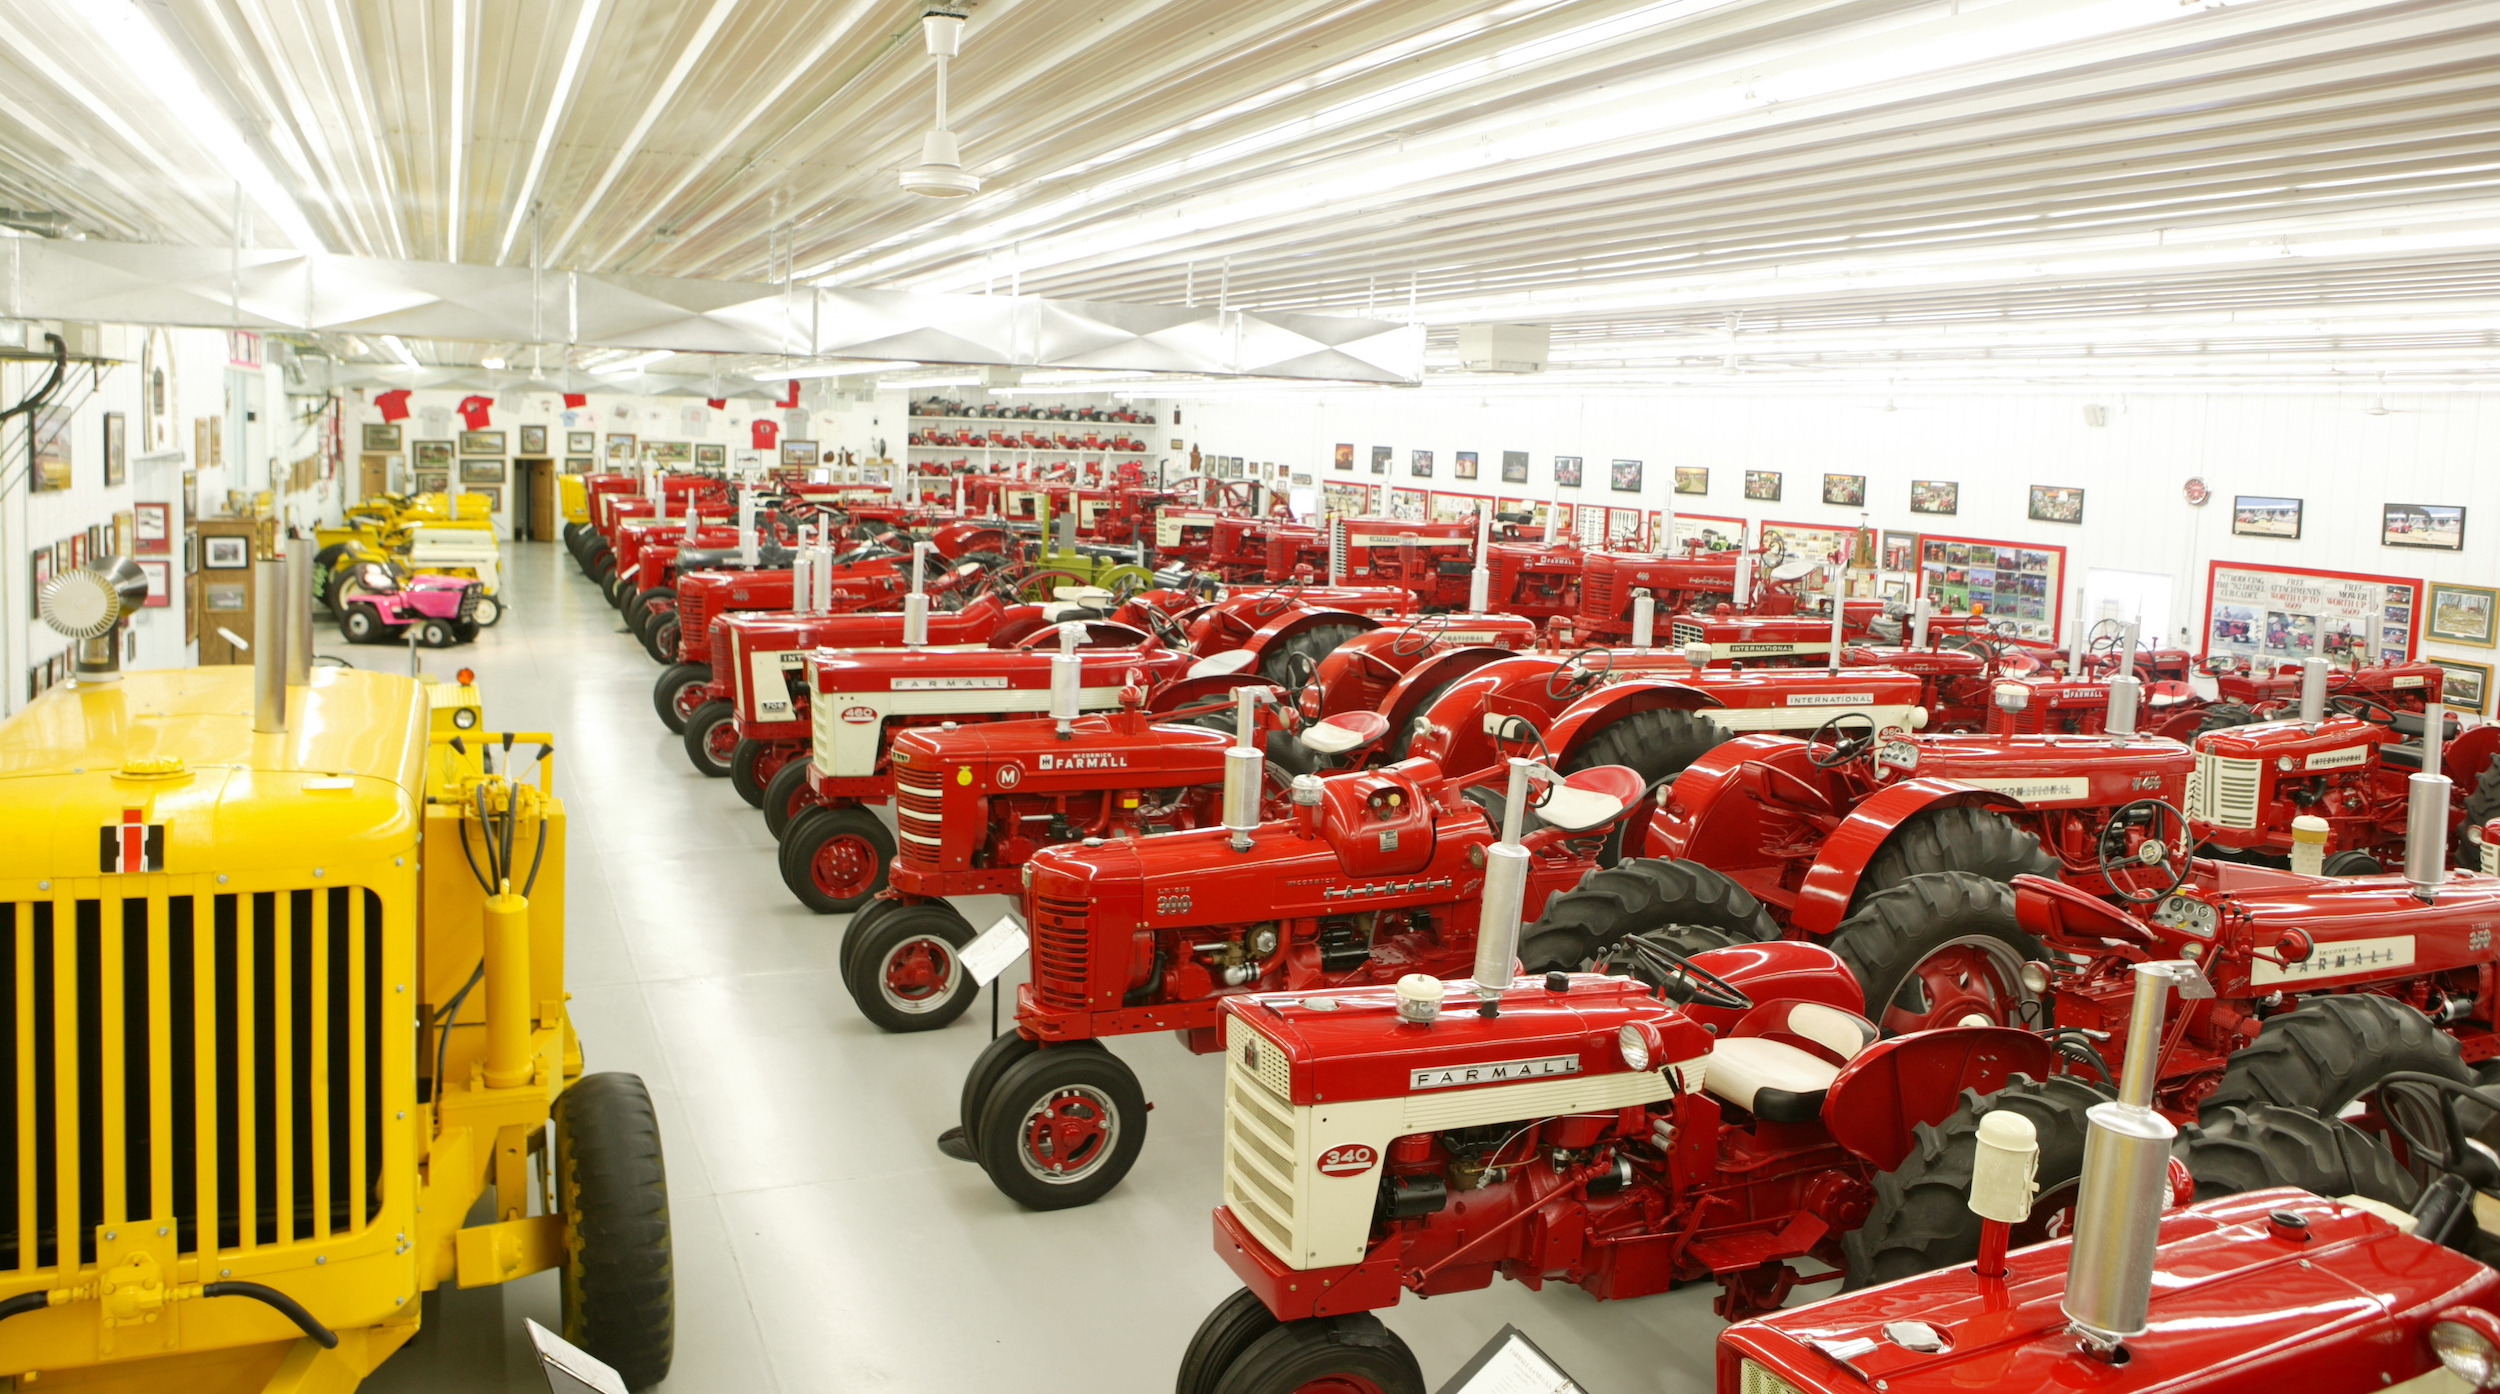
<point x="920" y="973"/>
<point x="689" y="697"/>
<point x="845" y="867"/>
<point x="721" y="742"/>
<point x="1963" y="979"/>
<point x="1068" y="1134"/>
<point x="770" y="763"/>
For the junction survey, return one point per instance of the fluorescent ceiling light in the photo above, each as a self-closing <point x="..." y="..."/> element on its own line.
<point x="399" y="350"/>
<point x="829" y="370"/>
<point x="584" y="22"/>
<point x="908" y="384"/>
<point x="634" y="364"/>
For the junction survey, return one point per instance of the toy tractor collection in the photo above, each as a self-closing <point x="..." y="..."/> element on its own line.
<point x="288" y="974"/>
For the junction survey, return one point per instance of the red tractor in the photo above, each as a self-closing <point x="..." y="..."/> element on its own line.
<point x="2346" y="767"/>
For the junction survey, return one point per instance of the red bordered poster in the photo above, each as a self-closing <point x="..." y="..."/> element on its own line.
<point x="1713" y="532"/>
<point x="2021" y="582"/>
<point x="2290" y="612"/>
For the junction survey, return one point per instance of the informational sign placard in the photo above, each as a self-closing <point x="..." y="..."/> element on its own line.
<point x="1715" y="534"/>
<point x="2285" y="612"/>
<point x="1510" y="1363"/>
<point x="2021" y="583"/>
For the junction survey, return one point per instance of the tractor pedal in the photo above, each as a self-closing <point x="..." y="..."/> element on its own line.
<point x="954" y="1144"/>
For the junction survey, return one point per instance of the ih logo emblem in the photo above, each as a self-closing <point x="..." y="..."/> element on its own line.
<point x="133" y="845"/>
<point x="1351" y="1160"/>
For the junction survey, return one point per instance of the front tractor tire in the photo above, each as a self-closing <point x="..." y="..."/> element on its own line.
<point x="678" y="693"/>
<point x="1635" y="897"/>
<point x="1061" y="1127"/>
<point x="1353" y="1353"/>
<point x="835" y="859"/>
<point x="906" y="970"/>
<point x="1922" y="1220"/>
<point x="1955" y="838"/>
<point x="786" y="795"/>
<point x="1939" y="950"/>
<point x="712" y="739"/>
<point x="747" y="771"/>
<point x="619" y="1290"/>
<point x="2331" y="1050"/>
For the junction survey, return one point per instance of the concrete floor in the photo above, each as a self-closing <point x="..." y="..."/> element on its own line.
<point x="822" y="1243"/>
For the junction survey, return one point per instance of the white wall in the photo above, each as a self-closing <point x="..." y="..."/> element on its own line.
<point x="2326" y="450"/>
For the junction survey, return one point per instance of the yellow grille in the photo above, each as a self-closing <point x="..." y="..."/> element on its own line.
<point x="1259" y="1141"/>
<point x="2226" y="791"/>
<point x="212" y="1059"/>
<point x="1756" y="1379"/>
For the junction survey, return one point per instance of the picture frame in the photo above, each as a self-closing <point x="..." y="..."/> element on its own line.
<point x="1762" y="486"/>
<point x="48" y="454"/>
<point x="1567" y="471"/>
<point x="434" y="455"/>
<point x="116" y="449"/>
<point x="579" y="464"/>
<point x="674" y="452"/>
<point x="481" y="471"/>
<point x="1419" y="464"/>
<point x="38" y="571"/>
<point x="1845" y="490"/>
<point x="533" y="440"/>
<point x="481" y="443"/>
<point x="152" y="528"/>
<point x="620" y="448"/>
<point x="1514" y="466"/>
<point x="1380" y="459"/>
<point x="581" y="442"/>
<point x="431" y="481"/>
<point x="1624" y="476"/>
<point x="381" y="435"/>
<point x="1941" y="497"/>
<point x="2435" y="527"/>
<point x="2052" y="503"/>
<point x="70" y="553"/>
<point x="125" y="533"/>
<point x="2462" y="615"/>
<point x="1345" y="456"/>
<point x="228" y="553"/>
<point x="1692" y="480"/>
<point x="1898" y="552"/>
<point x="799" y="454"/>
<point x="492" y="492"/>
<point x="2255" y="515"/>
<point x="713" y="456"/>
<point x="2465" y="686"/>
<point x="160" y="574"/>
<point x="1463" y="464"/>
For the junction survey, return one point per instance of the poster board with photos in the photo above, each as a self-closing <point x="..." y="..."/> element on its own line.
<point x="1409" y="505"/>
<point x="1456" y="508"/>
<point x="2289" y="612"/>
<point x="1714" y="533"/>
<point x="2023" y="582"/>
<point x="1818" y="542"/>
<point x="1536" y="509"/>
<point x="1346" y="500"/>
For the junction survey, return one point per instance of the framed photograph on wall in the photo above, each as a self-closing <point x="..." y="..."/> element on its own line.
<point x="797" y="454"/>
<point x="2253" y="515"/>
<point x="579" y="464"/>
<point x="1380" y="459"/>
<point x="1463" y="465"/>
<point x="116" y="449"/>
<point x="2462" y="615"/>
<point x="2052" y="504"/>
<point x="1900" y="552"/>
<point x="1935" y="496"/>
<point x="481" y="442"/>
<point x="381" y="435"/>
<point x="1514" y="466"/>
<point x="152" y="528"/>
<point x="481" y="472"/>
<point x="1567" y="471"/>
<point x="493" y="493"/>
<point x="716" y="456"/>
<point x="1624" y="476"/>
<point x="227" y="553"/>
<point x="2433" y="525"/>
<point x="434" y="455"/>
<point x="1344" y="459"/>
<point x="1845" y="490"/>
<point x="533" y="440"/>
<point x="70" y="553"/>
<point x="38" y="571"/>
<point x="620" y="448"/>
<point x="1762" y="486"/>
<point x="2466" y="687"/>
<point x="581" y="442"/>
<point x="160" y="574"/>
<point x="48" y="443"/>
<point x="1419" y="464"/>
<point x="431" y="481"/>
<point x="1692" y="479"/>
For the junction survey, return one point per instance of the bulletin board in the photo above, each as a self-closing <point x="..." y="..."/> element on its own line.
<point x="1346" y="500"/>
<point x="1815" y="542"/>
<point x="1457" y="508"/>
<point x="1409" y="505"/>
<point x="1536" y="509"/>
<point x="2289" y="612"/>
<point x="2017" y="581"/>
<point x="1716" y="534"/>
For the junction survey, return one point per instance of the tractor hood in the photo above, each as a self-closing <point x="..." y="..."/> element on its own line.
<point x="2339" y="742"/>
<point x="2043" y="771"/>
<point x="2347" y="1307"/>
<point x="983" y="669"/>
<point x="1115" y="742"/>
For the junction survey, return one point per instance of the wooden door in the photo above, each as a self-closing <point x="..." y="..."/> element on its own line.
<point x="542" y="496"/>
<point x="374" y="478"/>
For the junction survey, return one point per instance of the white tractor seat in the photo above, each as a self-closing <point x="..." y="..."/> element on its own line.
<point x="1094" y="596"/>
<point x="1343" y="732"/>
<point x="1223" y="665"/>
<point x="1591" y="798"/>
<point x="1779" y="1082"/>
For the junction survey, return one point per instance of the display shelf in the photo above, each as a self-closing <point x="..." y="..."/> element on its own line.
<point x="1030" y="420"/>
<point x="1103" y="451"/>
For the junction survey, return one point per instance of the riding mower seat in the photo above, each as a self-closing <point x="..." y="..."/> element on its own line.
<point x="1784" y="1080"/>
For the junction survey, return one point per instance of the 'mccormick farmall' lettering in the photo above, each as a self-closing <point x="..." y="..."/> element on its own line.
<point x="1083" y="762"/>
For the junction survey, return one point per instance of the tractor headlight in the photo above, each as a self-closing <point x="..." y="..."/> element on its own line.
<point x="1635" y="1040"/>
<point x="2467" y="1341"/>
<point x="464" y="718"/>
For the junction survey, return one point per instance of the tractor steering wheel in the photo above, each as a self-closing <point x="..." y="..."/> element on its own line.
<point x="1578" y="673"/>
<point x="1299" y="671"/>
<point x="1847" y="744"/>
<point x="2362" y="708"/>
<point x="2155" y="853"/>
<point x="1277" y="600"/>
<point x="1168" y="631"/>
<point x="1420" y="636"/>
<point x="1674" y="975"/>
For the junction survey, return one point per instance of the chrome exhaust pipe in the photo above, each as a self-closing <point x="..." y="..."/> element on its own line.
<point x="299" y="623"/>
<point x="1245" y="770"/>
<point x="1919" y="615"/>
<point x="916" y="604"/>
<point x="2312" y="691"/>
<point x="269" y="647"/>
<point x="1067" y="676"/>
<point x="1480" y="581"/>
<point x="1505" y="892"/>
<point x="2426" y="834"/>
<point x="1644" y="619"/>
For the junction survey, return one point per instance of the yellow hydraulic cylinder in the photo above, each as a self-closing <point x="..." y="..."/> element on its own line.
<point x="507" y="991"/>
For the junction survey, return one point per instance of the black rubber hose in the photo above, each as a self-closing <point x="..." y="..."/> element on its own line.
<point x="52" y="384"/>
<point x="287" y="1307"/>
<point x="23" y="1303"/>
<point x="449" y="1019"/>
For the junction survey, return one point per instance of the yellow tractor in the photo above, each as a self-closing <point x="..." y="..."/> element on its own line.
<point x="282" y="987"/>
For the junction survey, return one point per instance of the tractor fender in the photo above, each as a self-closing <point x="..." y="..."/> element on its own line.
<point x="1295" y="620"/>
<point x="1615" y="701"/>
<point x="1823" y="900"/>
<point x="956" y="541"/>
<point x="1513" y="686"/>
<point x="1447" y="667"/>
<point x="1099" y="634"/>
<point x="1777" y="970"/>
<point x="1190" y="692"/>
<point x="1892" y="1087"/>
<point x="1706" y="815"/>
<point x="2465" y="758"/>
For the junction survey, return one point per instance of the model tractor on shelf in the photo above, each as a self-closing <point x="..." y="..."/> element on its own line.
<point x="1716" y="1116"/>
<point x="974" y="804"/>
<point x="835" y="853"/>
<point x="291" y="988"/>
<point x="2308" y="1260"/>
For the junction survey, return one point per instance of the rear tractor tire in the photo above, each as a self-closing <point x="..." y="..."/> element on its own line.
<point x="1279" y="665"/>
<point x="2235" y="1150"/>
<point x="1955" y="838"/>
<point x="1634" y="897"/>
<point x="1922" y="1220"/>
<point x="835" y="859"/>
<point x="619" y="1286"/>
<point x="1353" y="1352"/>
<point x="1939" y="950"/>
<point x="1658" y="744"/>
<point x="2331" y="1050"/>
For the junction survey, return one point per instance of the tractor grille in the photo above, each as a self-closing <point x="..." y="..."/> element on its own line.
<point x="1686" y="632"/>
<point x="1062" y="947"/>
<point x="468" y="602"/>
<point x="1597" y="593"/>
<point x="210" y="1061"/>
<point x="693" y="610"/>
<point x="920" y="816"/>
<point x="1759" y="1379"/>
<point x="2226" y="791"/>
<point x="1259" y="1142"/>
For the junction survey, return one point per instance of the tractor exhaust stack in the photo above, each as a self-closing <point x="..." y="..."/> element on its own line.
<point x="1067" y="676"/>
<point x="1840" y="612"/>
<point x="2426" y="833"/>
<point x="916" y="604"/>
<point x="1744" y="579"/>
<point x="2126" y="1178"/>
<point x="1644" y="619"/>
<point x="746" y="526"/>
<point x="2126" y="691"/>
<point x="1245" y="770"/>
<point x="269" y="649"/>
<point x="299" y="624"/>
<point x="1480" y="581"/>
<point x="1505" y="891"/>
<point x="2313" y="692"/>
<point x="1920" y="614"/>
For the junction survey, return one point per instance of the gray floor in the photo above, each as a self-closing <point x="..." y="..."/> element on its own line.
<point x="822" y="1243"/>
